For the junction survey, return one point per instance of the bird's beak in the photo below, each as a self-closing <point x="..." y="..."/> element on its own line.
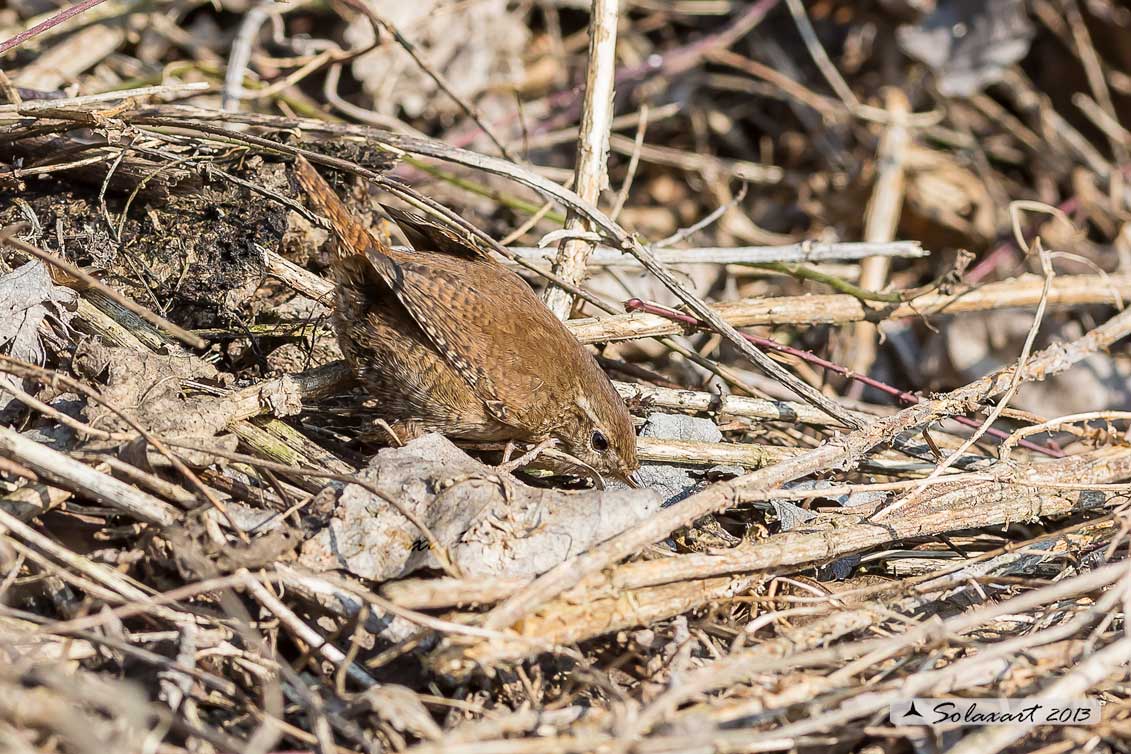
<point x="632" y="480"/>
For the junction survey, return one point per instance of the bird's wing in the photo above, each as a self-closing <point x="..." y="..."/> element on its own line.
<point x="418" y="285"/>
<point x="505" y="343"/>
<point x="426" y="234"/>
<point x="481" y="344"/>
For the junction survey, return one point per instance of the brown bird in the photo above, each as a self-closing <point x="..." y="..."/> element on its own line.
<point x="446" y="339"/>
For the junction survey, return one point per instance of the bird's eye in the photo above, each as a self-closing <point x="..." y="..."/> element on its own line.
<point x="599" y="442"/>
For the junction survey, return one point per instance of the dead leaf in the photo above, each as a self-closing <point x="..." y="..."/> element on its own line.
<point x="519" y="531"/>
<point x="27" y="296"/>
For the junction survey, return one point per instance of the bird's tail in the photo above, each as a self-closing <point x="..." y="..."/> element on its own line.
<point x="353" y="237"/>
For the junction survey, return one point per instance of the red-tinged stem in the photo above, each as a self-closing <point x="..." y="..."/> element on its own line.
<point x="637" y="305"/>
<point x="43" y="26"/>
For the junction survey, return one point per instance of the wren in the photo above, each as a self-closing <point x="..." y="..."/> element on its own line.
<point x="445" y="339"/>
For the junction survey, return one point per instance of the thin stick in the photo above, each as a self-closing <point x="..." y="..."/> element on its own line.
<point x="1067" y="290"/>
<point x="633" y="162"/>
<point x="1093" y="69"/>
<point x="820" y="57"/>
<point x="710" y="219"/>
<point x="32" y="106"/>
<point x="882" y="218"/>
<point x="8" y="89"/>
<point x="58" y="18"/>
<point x="304" y="632"/>
<point x="240" y="56"/>
<point x="703" y="164"/>
<point x="806" y="251"/>
<point x="7" y="236"/>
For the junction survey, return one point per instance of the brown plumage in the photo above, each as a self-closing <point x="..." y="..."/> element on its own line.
<point x="446" y="339"/>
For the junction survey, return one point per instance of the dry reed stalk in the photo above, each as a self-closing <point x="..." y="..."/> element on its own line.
<point x="591" y="175"/>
